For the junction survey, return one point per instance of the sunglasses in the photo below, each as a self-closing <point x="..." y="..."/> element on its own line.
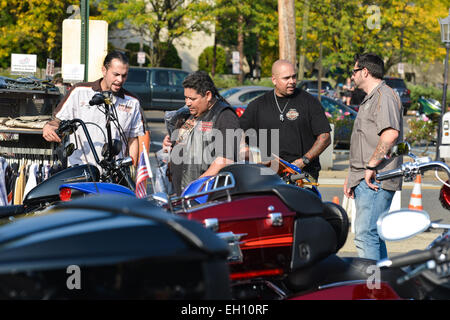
<point x="354" y="71"/>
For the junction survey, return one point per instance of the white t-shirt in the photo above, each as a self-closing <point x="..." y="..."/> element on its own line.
<point x="76" y="105"/>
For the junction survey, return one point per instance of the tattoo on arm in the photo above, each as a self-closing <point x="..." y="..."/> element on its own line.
<point x="322" y="142"/>
<point x="381" y="150"/>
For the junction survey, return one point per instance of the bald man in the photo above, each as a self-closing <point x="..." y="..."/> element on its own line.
<point x="296" y="116"/>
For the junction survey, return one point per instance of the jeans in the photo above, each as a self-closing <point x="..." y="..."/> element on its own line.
<point x="370" y="204"/>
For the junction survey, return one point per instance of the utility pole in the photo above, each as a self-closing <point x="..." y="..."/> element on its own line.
<point x="286" y="29"/>
<point x="85" y="37"/>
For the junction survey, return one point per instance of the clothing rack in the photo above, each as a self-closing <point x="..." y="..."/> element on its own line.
<point x="26" y="152"/>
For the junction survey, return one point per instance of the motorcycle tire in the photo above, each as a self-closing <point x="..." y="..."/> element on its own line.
<point x="335" y="215"/>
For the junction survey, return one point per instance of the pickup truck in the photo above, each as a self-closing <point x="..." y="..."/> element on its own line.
<point x="157" y="88"/>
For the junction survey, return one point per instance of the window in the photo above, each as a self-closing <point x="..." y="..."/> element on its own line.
<point x="395" y="83"/>
<point x="137" y="75"/>
<point x="226" y="93"/>
<point x="162" y="77"/>
<point x="178" y="77"/>
<point x="249" y="95"/>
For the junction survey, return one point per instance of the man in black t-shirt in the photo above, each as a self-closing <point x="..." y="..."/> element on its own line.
<point x="304" y="131"/>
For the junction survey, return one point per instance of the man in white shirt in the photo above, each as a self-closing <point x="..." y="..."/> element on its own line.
<point x="76" y="105"/>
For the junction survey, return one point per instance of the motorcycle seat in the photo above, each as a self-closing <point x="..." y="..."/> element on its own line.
<point x="334" y="269"/>
<point x="257" y="178"/>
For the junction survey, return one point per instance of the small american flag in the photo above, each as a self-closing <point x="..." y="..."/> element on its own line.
<point x="141" y="177"/>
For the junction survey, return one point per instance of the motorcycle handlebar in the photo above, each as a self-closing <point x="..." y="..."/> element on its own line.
<point x="410" y="258"/>
<point x="297" y="176"/>
<point x="389" y="174"/>
<point x="413" y="168"/>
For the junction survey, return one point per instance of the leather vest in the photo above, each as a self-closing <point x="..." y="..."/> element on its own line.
<point x="198" y="151"/>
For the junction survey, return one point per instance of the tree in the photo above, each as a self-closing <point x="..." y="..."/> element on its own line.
<point x="258" y="25"/>
<point x="205" y="60"/>
<point x="157" y="21"/>
<point x="32" y="27"/>
<point x="395" y="29"/>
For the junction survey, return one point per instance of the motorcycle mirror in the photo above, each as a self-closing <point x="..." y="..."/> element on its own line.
<point x="116" y="148"/>
<point x="125" y="162"/>
<point x="402" y="224"/>
<point x="400" y="149"/>
<point x="97" y="99"/>
<point x="69" y="148"/>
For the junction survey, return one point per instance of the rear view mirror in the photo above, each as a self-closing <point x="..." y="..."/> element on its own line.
<point x="402" y="224"/>
<point x="400" y="149"/>
<point x="116" y="148"/>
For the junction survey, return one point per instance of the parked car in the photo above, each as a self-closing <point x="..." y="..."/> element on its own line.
<point x="342" y="129"/>
<point x="311" y="86"/>
<point x="399" y="86"/>
<point x="242" y="95"/>
<point x="157" y="88"/>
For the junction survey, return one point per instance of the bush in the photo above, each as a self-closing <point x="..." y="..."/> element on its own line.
<point x="205" y="60"/>
<point x="421" y="130"/>
<point x="428" y="92"/>
<point x="170" y="59"/>
<point x="225" y="81"/>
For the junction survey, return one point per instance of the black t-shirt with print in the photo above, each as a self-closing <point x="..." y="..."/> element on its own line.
<point x="304" y="120"/>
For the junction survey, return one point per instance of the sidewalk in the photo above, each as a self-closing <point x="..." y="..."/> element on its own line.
<point x="339" y="172"/>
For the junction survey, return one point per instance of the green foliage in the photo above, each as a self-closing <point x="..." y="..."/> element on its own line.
<point x="132" y="49"/>
<point x="171" y="58"/>
<point x="32" y="27"/>
<point x="426" y="91"/>
<point x="158" y="20"/>
<point x="259" y="28"/>
<point x="421" y="130"/>
<point x="225" y="81"/>
<point x="406" y="31"/>
<point x="205" y="60"/>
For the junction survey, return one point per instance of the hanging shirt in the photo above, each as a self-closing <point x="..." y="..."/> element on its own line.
<point x="3" y="194"/>
<point x="20" y="186"/>
<point x="31" y="181"/>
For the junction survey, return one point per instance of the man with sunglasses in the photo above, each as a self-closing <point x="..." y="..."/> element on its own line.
<point x="378" y="127"/>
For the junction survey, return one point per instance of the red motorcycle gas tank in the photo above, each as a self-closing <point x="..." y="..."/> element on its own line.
<point x="266" y="245"/>
<point x="352" y="291"/>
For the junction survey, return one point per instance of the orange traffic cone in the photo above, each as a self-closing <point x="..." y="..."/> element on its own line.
<point x="336" y="199"/>
<point x="415" y="202"/>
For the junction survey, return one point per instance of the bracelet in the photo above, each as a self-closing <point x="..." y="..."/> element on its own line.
<point x="371" y="168"/>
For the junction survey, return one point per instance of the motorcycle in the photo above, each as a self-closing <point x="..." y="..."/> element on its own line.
<point x="429" y="269"/>
<point x="108" y="246"/>
<point x="283" y="240"/>
<point x="114" y="172"/>
<point x="429" y="107"/>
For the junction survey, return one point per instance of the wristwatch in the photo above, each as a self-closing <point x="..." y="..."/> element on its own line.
<point x="305" y="160"/>
<point x="371" y="168"/>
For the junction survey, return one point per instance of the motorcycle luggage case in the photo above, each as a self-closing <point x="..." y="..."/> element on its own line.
<point x="274" y="239"/>
<point x="113" y="247"/>
<point x="282" y="226"/>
